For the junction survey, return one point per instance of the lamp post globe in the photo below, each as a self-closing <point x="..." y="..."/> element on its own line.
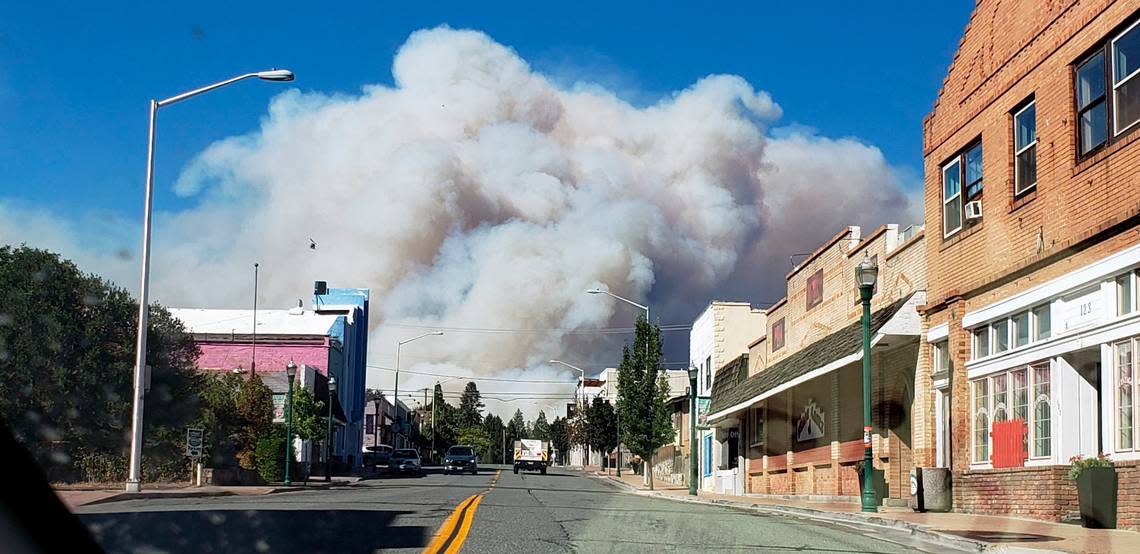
<point x="866" y="273"/>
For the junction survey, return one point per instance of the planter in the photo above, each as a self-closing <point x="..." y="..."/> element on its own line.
<point x="1096" y="490"/>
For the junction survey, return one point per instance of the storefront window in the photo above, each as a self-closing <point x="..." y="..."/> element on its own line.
<point x="1001" y="335"/>
<point x="1125" y="395"/>
<point x="982" y="342"/>
<point x="1042" y="318"/>
<point x="981" y="420"/>
<point x="941" y="356"/>
<point x="1125" y="290"/>
<point x="757" y="426"/>
<point x="1001" y="398"/>
<point x="1042" y="430"/>
<point x="1021" y="329"/>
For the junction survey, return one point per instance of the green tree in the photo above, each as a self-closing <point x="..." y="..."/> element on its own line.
<point x="445" y="428"/>
<point x="642" y="393"/>
<point x="516" y="429"/>
<point x="601" y="426"/>
<point x="255" y="413"/>
<point x="309" y="419"/>
<point x="475" y="437"/>
<point x="493" y="429"/>
<point x="67" y="354"/>
<point x="540" y="429"/>
<point x="470" y="406"/>
<point x="560" y="437"/>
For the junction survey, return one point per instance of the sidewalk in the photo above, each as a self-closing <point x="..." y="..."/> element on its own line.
<point x="991" y="533"/>
<point x="79" y="496"/>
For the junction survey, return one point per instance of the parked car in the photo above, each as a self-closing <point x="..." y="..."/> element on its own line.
<point x="460" y="458"/>
<point x="405" y="461"/>
<point x="376" y="455"/>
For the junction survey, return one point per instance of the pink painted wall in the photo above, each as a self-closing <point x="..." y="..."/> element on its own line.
<point x="270" y="357"/>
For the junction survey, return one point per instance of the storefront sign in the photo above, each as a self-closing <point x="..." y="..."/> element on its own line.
<point x="811" y="424"/>
<point x="866" y="437"/>
<point x="278" y="408"/>
<point x="703" y="409"/>
<point x="1082" y="308"/>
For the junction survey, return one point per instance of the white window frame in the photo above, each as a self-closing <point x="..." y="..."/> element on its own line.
<point x="946" y="201"/>
<point x="1017" y="189"/>
<point x="1010" y="391"/>
<point x="995" y="336"/>
<point x="1015" y="328"/>
<point x="1133" y="280"/>
<point x="940" y="347"/>
<point x="974" y="341"/>
<point x="1134" y="342"/>
<point x="1123" y="81"/>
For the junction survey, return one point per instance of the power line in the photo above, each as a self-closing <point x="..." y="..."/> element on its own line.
<point x="568" y="331"/>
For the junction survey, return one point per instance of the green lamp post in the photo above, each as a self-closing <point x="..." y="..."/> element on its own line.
<point x="865" y="275"/>
<point x="291" y="372"/>
<point x="328" y="432"/>
<point x="692" y="431"/>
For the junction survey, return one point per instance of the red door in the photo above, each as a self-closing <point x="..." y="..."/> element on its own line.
<point x="1009" y="443"/>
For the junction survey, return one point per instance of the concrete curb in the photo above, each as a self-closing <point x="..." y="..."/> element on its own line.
<point x="872" y="523"/>
<point x="123" y="496"/>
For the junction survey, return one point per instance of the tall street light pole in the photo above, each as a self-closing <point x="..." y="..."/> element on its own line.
<point x="597" y="290"/>
<point x="579" y="397"/>
<point x="290" y="372"/>
<point x="134" y="483"/>
<point x="692" y="431"/>
<point x="328" y="431"/>
<point x="396" y="393"/>
<point x="865" y="275"/>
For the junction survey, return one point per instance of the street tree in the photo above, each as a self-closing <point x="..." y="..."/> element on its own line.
<point x="601" y="426"/>
<point x="470" y="406"/>
<point x="540" y="429"/>
<point x="445" y="426"/>
<point x="476" y="438"/>
<point x="67" y="354"/>
<point x="560" y="437"/>
<point x="494" y="430"/>
<point x="642" y="394"/>
<point x="516" y="430"/>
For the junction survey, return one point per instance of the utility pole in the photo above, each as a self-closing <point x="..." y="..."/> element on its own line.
<point x="253" y="348"/>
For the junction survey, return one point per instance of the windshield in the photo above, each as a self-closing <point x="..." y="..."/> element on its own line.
<point x="460" y="451"/>
<point x="405" y="454"/>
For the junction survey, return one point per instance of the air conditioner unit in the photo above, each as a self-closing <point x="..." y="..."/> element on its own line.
<point x="974" y="209"/>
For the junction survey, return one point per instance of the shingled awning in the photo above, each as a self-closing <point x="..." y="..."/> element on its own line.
<point x="734" y="390"/>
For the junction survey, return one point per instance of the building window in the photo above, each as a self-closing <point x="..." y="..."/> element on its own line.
<point x="1093" y="104"/>
<point x="815" y="289"/>
<point x="758" y="431"/>
<point x="1001" y="335"/>
<point x="981" y="420"/>
<point x="778" y="334"/>
<point x="1125" y="84"/>
<point x="1041" y="322"/>
<point x="941" y="356"/>
<point x="369" y="420"/>
<point x="961" y="183"/>
<point x="1126" y="395"/>
<point x="982" y="342"/>
<point x="708" y="373"/>
<point x="1021" y="330"/>
<point x="1042" y="431"/>
<point x="1126" y="293"/>
<point x="951" y="197"/>
<point x="1025" y="394"/>
<point x="1025" y="148"/>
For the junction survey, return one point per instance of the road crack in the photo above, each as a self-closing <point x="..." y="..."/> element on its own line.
<point x="564" y="543"/>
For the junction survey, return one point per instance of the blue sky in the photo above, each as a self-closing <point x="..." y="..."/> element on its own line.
<point x="74" y="81"/>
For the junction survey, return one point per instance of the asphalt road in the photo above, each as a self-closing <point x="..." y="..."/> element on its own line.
<point x="563" y="511"/>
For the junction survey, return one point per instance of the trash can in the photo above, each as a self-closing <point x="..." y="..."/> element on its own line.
<point x="930" y="489"/>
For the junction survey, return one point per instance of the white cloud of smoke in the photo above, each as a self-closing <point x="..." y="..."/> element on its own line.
<point x="477" y="193"/>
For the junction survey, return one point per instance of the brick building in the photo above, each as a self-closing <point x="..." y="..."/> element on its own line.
<point x="794" y="401"/>
<point x="1032" y="200"/>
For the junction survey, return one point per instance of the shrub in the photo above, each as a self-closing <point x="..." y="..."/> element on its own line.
<point x="269" y="456"/>
<point x="1078" y="464"/>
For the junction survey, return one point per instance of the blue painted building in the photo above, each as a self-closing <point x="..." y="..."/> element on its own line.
<point x="352" y="333"/>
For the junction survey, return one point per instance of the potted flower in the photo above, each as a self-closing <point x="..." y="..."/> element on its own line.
<point x="1096" y="490"/>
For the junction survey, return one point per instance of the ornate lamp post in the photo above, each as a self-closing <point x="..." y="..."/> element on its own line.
<point x="328" y="432"/>
<point x="865" y="275"/>
<point x="291" y="372"/>
<point x="692" y="431"/>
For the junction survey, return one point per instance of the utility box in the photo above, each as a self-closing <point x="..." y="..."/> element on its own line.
<point x="930" y="489"/>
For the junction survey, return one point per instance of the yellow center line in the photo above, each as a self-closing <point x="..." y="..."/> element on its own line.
<point x="445" y="531"/>
<point x="457" y="543"/>
<point x="453" y="533"/>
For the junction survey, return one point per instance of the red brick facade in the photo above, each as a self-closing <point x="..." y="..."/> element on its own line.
<point x="1082" y="210"/>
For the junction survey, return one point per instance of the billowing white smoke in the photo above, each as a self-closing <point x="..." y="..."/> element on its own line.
<point x="477" y="193"/>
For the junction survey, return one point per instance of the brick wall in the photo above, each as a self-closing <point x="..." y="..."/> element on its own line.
<point x="1035" y="492"/>
<point x="1041" y="493"/>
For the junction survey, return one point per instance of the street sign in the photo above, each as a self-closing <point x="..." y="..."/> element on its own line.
<point x="194" y="442"/>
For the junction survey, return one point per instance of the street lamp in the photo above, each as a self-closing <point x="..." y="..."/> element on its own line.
<point x="598" y="290"/>
<point x="865" y="275"/>
<point x="692" y="431"/>
<point x="291" y="372"/>
<point x="328" y="432"/>
<point x="579" y="399"/>
<point x="134" y="482"/>
<point x="396" y="393"/>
